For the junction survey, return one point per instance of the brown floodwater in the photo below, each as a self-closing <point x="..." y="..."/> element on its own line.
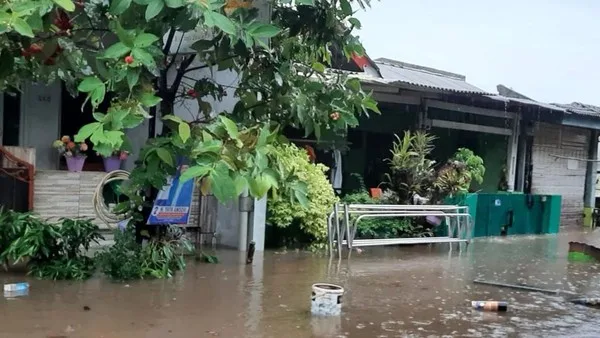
<point x="421" y="291"/>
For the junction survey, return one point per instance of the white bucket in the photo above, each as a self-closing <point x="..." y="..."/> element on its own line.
<point x="326" y="299"/>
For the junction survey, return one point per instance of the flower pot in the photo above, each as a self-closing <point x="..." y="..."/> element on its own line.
<point x="75" y="163"/>
<point x="112" y="163"/>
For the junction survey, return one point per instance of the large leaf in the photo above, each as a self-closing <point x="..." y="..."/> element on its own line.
<point x="90" y="84"/>
<point x="230" y="126"/>
<point x="67" y="5"/>
<point x="184" y="131"/>
<point x="144" y="40"/>
<point x="133" y="76"/>
<point x="117" y="50"/>
<point x="196" y="171"/>
<point x="221" y="183"/>
<point x="144" y="57"/>
<point x="264" y="31"/>
<point x="87" y="131"/>
<point x="259" y="186"/>
<point x="212" y="19"/>
<point x="175" y="3"/>
<point x="117" y="7"/>
<point x="148" y="99"/>
<point x="154" y="8"/>
<point x="165" y="156"/>
<point x="22" y="27"/>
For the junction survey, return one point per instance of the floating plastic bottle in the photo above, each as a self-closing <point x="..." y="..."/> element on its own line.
<point x="490" y="306"/>
<point x="16" y="287"/>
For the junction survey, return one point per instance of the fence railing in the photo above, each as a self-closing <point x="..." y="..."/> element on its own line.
<point x="16" y="182"/>
<point x="342" y="229"/>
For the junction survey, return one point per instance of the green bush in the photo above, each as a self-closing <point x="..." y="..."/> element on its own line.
<point x="282" y="212"/>
<point x="52" y="251"/>
<point x="161" y="257"/>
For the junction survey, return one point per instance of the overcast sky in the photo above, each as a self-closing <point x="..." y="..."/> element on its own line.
<point x="548" y="50"/>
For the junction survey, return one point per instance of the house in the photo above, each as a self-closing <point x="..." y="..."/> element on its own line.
<point x="534" y="147"/>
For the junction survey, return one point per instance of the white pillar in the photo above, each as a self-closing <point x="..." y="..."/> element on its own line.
<point x="512" y="151"/>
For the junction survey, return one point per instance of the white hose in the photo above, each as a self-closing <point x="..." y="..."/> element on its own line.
<point x="102" y="211"/>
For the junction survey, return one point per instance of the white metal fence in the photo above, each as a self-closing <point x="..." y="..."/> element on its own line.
<point x="342" y="230"/>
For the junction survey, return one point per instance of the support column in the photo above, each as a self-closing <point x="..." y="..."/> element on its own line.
<point x="521" y="158"/>
<point x="511" y="155"/>
<point x="591" y="173"/>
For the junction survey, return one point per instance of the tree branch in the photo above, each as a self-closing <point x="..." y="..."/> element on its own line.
<point x="180" y="73"/>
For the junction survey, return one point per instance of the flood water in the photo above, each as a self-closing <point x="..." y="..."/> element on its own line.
<point x="422" y="291"/>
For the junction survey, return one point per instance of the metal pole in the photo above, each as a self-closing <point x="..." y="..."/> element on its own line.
<point x="243" y="233"/>
<point x="591" y="175"/>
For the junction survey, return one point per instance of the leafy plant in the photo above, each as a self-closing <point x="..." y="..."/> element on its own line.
<point x="68" y="148"/>
<point x="410" y="170"/>
<point x="473" y="163"/>
<point x="283" y="210"/>
<point x="54" y="251"/>
<point x="161" y="257"/>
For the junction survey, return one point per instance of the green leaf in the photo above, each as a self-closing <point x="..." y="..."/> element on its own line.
<point x="117" y="7"/>
<point x="193" y="172"/>
<point x="355" y="22"/>
<point x="240" y="183"/>
<point x="212" y="19"/>
<point x="133" y="76"/>
<point x="22" y="27"/>
<point x="144" y="40"/>
<point x="184" y="131"/>
<point x="144" y="57"/>
<point x="369" y="103"/>
<point x="116" y="51"/>
<point x="222" y="186"/>
<point x="259" y="186"/>
<point x="148" y="99"/>
<point x="35" y="22"/>
<point x="154" y="8"/>
<point x="346" y="7"/>
<point x="264" y="31"/>
<point x="300" y="193"/>
<point x="97" y="95"/>
<point x="319" y="67"/>
<point x="165" y="156"/>
<point x="305" y="2"/>
<point x="230" y="126"/>
<point x="175" y="3"/>
<point x="67" y="5"/>
<point x="89" y="84"/>
<point x="209" y="146"/>
<point x="98" y="116"/>
<point x="86" y="131"/>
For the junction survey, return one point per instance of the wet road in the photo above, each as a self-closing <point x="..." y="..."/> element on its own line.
<point x="392" y="292"/>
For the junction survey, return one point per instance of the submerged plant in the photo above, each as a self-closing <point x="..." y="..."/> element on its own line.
<point x="161" y="257"/>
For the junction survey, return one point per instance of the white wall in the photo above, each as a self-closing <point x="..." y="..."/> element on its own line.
<point x="559" y="176"/>
<point x="40" y="122"/>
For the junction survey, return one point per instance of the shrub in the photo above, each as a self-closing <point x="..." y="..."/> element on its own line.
<point x="54" y="251"/>
<point x="282" y="211"/>
<point x="161" y="257"/>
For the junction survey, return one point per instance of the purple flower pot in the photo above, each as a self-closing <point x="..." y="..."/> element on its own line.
<point x="112" y="163"/>
<point x="75" y="163"/>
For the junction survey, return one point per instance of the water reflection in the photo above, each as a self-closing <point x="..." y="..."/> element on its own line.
<point x="390" y="292"/>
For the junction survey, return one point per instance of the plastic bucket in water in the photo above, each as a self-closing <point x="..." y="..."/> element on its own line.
<point x="326" y="299"/>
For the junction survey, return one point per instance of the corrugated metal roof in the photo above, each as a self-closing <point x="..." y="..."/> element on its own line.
<point x="580" y="108"/>
<point x="395" y="72"/>
<point x="525" y="101"/>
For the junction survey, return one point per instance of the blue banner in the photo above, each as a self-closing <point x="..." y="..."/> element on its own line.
<point x="174" y="201"/>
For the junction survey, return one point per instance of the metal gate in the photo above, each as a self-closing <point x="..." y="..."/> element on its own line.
<point x="16" y="182"/>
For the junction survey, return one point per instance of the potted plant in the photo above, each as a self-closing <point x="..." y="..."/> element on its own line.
<point x="74" y="153"/>
<point x="114" y="161"/>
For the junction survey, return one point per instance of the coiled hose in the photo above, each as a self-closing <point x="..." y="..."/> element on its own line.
<point x="102" y="210"/>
